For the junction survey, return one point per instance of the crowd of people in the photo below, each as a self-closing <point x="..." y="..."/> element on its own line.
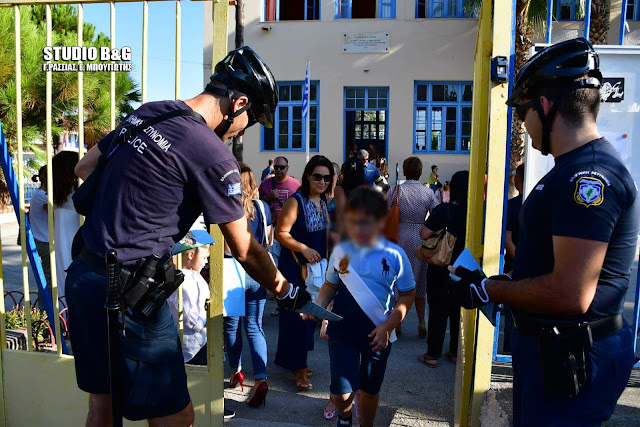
<point x="343" y="238"/>
<point x="302" y="223"/>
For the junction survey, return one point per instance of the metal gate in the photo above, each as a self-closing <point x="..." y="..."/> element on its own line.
<point x="39" y="388"/>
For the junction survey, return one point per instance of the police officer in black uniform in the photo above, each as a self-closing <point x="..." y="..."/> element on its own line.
<point x="572" y="350"/>
<point x="156" y="183"/>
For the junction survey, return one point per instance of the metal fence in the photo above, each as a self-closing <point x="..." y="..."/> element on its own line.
<point x="45" y="382"/>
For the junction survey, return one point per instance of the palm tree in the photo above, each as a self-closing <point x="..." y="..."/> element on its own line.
<point x="531" y="18"/>
<point x="599" y="21"/>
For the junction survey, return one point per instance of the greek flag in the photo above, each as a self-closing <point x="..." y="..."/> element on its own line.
<point x="305" y="95"/>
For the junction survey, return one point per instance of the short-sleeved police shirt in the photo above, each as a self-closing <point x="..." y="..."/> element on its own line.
<point x="589" y="194"/>
<point x="158" y="183"/>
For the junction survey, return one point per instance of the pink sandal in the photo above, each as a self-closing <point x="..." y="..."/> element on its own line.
<point x="330" y="414"/>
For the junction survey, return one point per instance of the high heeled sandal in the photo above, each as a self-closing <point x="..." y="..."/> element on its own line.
<point x="237" y="378"/>
<point x="330" y="414"/>
<point x="260" y="395"/>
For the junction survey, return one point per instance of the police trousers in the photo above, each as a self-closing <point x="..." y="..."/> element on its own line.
<point x="608" y="366"/>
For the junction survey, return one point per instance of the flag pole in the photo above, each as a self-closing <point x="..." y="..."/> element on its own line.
<point x="307" y="121"/>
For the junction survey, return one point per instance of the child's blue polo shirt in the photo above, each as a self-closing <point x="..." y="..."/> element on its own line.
<point x="381" y="267"/>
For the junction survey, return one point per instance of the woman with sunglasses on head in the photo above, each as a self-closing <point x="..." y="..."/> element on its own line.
<point x="302" y="231"/>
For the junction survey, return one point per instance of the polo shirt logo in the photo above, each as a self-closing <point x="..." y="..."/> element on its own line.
<point x="385" y="267"/>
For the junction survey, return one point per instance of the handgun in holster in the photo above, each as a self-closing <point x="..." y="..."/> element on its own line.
<point x="148" y="285"/>
<point x="562" y="359"/>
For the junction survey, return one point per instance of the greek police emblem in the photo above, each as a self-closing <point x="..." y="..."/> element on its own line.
<point x="589" y="191"/>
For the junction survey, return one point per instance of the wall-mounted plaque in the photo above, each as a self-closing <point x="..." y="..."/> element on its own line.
<point x="365" y="42"/>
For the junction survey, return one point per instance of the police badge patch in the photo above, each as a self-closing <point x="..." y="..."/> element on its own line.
<point x="589" y="191"/>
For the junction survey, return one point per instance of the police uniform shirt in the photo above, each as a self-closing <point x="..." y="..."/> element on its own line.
<point x="589" y="194"/>
<point x="381" y="267"/>
<point x="159" y="182"/>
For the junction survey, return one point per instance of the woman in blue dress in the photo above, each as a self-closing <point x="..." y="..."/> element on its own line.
<point x="302" y="230"/>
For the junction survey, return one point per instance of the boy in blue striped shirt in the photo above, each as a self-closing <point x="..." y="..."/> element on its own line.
<point x="360" y="278"/>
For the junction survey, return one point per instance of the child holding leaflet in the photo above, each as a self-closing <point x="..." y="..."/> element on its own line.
<point x="360" y="278"/>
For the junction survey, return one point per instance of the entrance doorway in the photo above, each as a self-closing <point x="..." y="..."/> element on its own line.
<point x="366" y="121"/>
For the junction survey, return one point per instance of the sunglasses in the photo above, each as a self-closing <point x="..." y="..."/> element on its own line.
<point x="521" y="110"/>
<point x="317" y="177"/>
<point x="279" y="167"/>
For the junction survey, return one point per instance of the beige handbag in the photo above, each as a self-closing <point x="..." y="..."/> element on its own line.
<point x="438" y="249"/>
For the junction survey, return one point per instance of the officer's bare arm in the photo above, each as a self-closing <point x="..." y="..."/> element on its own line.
<point x="88" y="163"/>
<point x="568" y="290"/>
<point x="253" y="257"/>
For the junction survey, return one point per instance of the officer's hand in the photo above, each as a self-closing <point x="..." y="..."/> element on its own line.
<point x="470" y="291"/>
<point x="295" y="299"/>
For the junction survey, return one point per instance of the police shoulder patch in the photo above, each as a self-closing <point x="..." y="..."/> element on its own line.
<point x="589" y="191"/>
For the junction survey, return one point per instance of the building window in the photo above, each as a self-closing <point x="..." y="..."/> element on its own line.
<point x="356" y="9"/>
<point x="442" y="122"/>
<point x="569" y="10"/>
<point x="288" y="133"/>
<point x="292" y="10"/>
<point x="443" y="9"/>
<point x="632" y="11"/>
<point x="366" y="119"/>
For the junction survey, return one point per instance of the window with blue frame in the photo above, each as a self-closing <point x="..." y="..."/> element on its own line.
<point x="443" y="9"/>
<point x="632" y="11"/>
<point x="289" y="131"/>
<point x="569" y="10"/>
<point x="291" y="10"/>
<point x="442" y="121"/>
<point x="356" y="9"/>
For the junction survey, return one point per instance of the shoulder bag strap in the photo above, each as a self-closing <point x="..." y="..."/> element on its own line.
<point x="326" y="213"/>
<point x="264" y="220"/>
<point x="118" y="141"/>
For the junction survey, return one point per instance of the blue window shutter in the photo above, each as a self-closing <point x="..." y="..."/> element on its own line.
<point x="387" y="9"/>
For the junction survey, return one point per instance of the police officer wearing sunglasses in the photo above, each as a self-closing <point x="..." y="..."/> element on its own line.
<point x="153" y="188"/>
<point x="572" y="350"/>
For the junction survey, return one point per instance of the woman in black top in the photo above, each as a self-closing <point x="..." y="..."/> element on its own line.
<point x="453" y="216"/>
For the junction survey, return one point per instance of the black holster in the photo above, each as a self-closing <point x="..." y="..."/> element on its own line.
<point x="148" y="285"/>
<point x="562" y="359"/>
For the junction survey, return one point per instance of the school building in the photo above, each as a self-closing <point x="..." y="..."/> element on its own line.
<point x="393" y="73"/>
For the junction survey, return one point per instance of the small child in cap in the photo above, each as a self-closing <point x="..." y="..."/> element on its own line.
<point x="194" y="249"/>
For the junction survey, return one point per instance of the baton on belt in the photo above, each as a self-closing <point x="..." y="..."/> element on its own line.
<point x="113" y="306"/>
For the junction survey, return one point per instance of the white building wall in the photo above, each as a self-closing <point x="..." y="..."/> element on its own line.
<point x="420" y="49"/>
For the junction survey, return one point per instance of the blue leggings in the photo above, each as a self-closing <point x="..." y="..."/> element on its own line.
<point x="255" y="298"/>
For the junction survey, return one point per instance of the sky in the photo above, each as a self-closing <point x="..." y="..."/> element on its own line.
<point x="161" y="40"/>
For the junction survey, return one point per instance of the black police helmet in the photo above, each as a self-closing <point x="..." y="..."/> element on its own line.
<point x="558" y="65"/>
<point x="244" y="71"/>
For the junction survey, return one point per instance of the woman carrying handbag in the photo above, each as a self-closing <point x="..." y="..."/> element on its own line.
<point x="452" y="217"/>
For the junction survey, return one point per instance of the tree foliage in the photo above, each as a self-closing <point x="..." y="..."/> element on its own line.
<point x="96" y="85"/>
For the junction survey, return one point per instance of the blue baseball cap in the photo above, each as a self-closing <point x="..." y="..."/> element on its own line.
<point x="196" y="237"/>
